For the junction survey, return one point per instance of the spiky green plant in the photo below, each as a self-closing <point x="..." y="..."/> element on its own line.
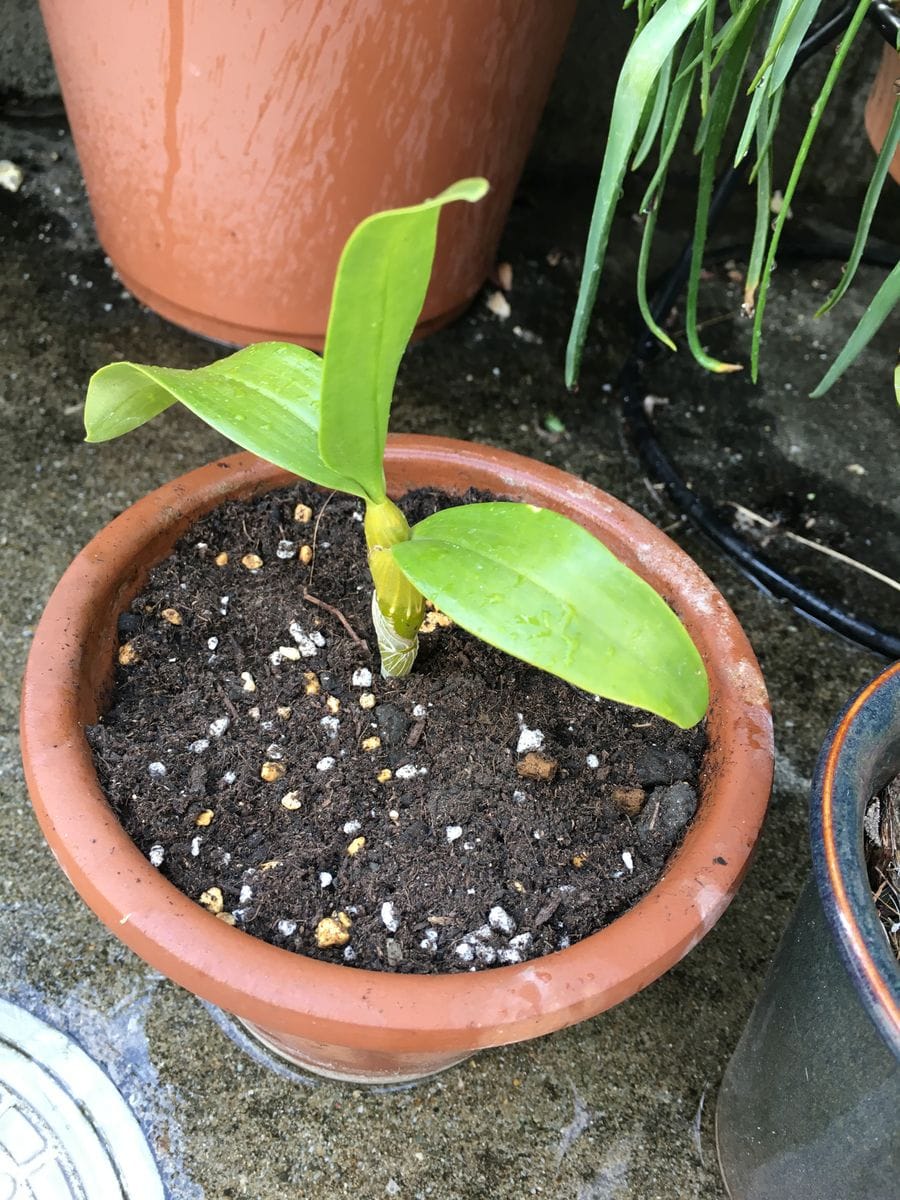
<point x="704" y="49"/>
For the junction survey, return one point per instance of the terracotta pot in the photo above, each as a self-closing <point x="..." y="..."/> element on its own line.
<point x="880" y="105"/>
<point x="808" y="1105"/>
<point x="345" y="1022"/>
<point x="230" y="149"/>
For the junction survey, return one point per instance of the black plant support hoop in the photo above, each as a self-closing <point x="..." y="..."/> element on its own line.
<point x="640" y="424"/>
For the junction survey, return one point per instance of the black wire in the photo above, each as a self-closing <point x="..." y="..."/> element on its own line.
<point x="886" y="18"/>
<point x="640" y="427"/>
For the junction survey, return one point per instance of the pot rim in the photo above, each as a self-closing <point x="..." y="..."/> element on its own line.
<point x="276" y="988"/>
<point x="859" y="755"/>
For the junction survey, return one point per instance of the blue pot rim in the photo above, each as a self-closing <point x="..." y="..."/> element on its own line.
<point x="859" y="755"/>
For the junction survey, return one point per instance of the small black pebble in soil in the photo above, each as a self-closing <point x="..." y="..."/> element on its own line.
<point x="405" y="815"/>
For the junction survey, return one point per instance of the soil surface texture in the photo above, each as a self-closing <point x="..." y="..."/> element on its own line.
<point x="476" y="813"/>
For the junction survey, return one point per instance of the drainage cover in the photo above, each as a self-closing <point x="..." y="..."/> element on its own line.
<point x="65" y="1132"/>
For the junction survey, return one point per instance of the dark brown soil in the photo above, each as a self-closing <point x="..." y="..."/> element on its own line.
<point x="882" y="829"/>
<point x="466" y="861"/>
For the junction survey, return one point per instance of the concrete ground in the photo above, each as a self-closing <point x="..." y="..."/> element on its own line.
<point x="618" y="1108"/>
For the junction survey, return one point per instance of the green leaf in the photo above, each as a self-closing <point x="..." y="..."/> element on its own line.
<point x="643" y="63"/>
<point x="763" y="207"/>
<point x="885" y="301"/>
<point x="676" y="108"/>
<point x="538" y="586"/>
<point x="265" y="398"/>
<point x="379" y="291"/>
<point x="655" y="116"/>
<point x="719" y="114"/>
<point x="818" y="108"/>
<point x="873" y="193"/>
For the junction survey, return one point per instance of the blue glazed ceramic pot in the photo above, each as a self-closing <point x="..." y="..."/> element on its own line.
<point x="809" y="1107"/>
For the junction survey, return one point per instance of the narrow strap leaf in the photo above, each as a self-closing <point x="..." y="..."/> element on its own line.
<point x="721" y="106"/>
<point x="706" y="55"/>
<point x="885" y="301"/>
<point x="673" y="121"/>
<point x="642" y="64"/>
<point x="763" y="215"/>
<point x="873" y="194"/>
<point x="781" y="26"/>
<point x="660" y="95"/>
<point x="818" y="108"/>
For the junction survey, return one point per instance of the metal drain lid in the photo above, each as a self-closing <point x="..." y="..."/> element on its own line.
<point x="65" y="1131"/>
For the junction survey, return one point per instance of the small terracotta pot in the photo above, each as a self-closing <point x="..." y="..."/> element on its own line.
<point x="229" y="149"/>
<point x="880" y="105"/>
<point x="338" y="1020"/>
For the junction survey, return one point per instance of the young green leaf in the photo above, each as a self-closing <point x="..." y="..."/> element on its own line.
<point x="379" y="291"/>
<point x="884" y="302"/>
<point x="538" y="586"/>
<point x="265" y="398"/>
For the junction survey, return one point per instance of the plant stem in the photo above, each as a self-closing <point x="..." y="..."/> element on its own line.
<point x="397" y="606"/>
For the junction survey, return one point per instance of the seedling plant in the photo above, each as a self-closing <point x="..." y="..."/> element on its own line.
<point x="524" y="579"/>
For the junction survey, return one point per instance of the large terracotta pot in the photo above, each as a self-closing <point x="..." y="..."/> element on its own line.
<point x="338" y="1020"/>
<point x="881" y="102"/>
<point x="230" y="149"/>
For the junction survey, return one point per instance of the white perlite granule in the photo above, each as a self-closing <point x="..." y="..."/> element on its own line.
<point x="306" y="642"/>
<point x="352" y="827"/>
<point x="157" y="770"/>
<point x="499" y="919"/>
<point x="390" y="917"/>
<point x="362" y="677"/>
<point x="291" y="653"/>
<point x="286" y="928"/>
<point x="592" y="761"/>
<point x="507" y="955"/>
<point x="529" y="739"/>
<point x="199" y="746"/>
<point x="408" y="771"/>
<point x="156" y="855"/>
<point x="325" y="764"/>
<point x="219" y="726"/>
<point x="454" y="832"/>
